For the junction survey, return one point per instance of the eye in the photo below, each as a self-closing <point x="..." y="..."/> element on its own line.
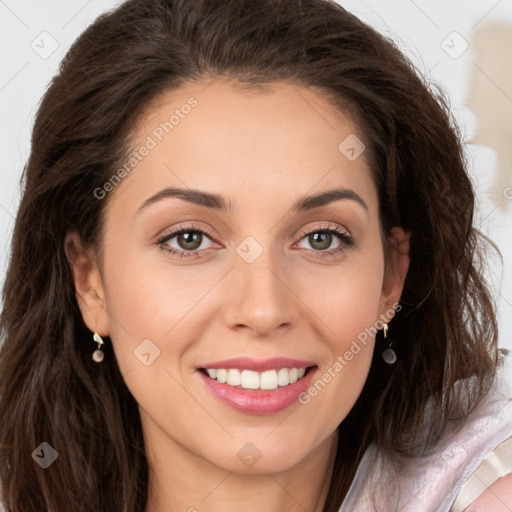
<point x="321" y="238"/>
<point x="189" y="239"/>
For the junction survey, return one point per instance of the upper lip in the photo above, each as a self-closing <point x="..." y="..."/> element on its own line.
<point x="259" y="365"/>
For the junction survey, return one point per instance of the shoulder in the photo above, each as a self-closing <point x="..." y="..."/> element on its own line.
<point x="481" y="469"/>
<point x="497" y="497"/>
<point x="438" y="481"/>
<point x="489" y="487"/>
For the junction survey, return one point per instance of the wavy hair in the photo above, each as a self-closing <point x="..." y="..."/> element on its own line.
<point x="50" y="390"/>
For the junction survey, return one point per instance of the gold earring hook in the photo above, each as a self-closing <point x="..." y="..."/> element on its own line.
<point x="97" y="339"/>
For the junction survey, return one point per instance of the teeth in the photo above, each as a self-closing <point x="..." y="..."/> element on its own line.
<point x="233" y="377"/>
<point x="222" y="376"/>
<point x="268" y="380"/>
<point x="249" y="379"/>
<point x="283" y="378"/>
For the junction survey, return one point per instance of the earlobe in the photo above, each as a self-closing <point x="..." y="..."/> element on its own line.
<point x="88" y="284"/>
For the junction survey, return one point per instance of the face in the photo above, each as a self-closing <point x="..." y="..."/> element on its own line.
<point x="256" y="272"/>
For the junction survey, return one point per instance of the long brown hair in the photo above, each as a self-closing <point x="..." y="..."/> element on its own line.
<point x="50" y="390"/>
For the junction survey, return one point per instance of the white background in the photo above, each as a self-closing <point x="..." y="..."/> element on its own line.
<point x="478" y="82"/>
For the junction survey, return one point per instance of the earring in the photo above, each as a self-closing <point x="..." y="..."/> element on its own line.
<point x="98" y="354"/>
<point x="388" y="354"/>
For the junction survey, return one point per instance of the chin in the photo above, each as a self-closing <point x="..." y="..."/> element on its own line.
<point x="260" y="456"/>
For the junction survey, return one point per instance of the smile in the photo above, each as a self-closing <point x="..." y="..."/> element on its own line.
<point x="258" y="386"/>
<point x="249" y="379"/>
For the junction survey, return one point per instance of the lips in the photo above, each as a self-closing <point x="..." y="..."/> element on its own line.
<point x="262" y="399"/>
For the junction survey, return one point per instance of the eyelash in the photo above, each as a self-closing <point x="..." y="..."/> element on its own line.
<point x="346" y="240"/>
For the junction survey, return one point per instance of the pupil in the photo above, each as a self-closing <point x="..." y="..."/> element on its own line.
<point x="190" y="237"/>
<point x="325" y="237"/>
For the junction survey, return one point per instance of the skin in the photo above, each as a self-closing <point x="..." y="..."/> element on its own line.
<point x="497" y="497"/>
<point x="263" y="150"/>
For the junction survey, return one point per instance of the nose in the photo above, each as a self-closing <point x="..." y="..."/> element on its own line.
<point x="260" y="296"/>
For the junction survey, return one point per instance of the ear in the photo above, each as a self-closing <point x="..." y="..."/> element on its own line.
<point x="89" y="290"/>
<point x="396" y="269"/>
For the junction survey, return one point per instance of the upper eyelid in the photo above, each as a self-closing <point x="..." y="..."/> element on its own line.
<point x="332" y="227"/>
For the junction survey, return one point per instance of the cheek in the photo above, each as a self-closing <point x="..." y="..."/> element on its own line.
<point x="150" y="298"/>
<point x="349" y="310"/>
<point x="351" y="306"/>
<point x="348" y="300"/>
<point x="340" y="378"/>
<point x="138" y="302"/>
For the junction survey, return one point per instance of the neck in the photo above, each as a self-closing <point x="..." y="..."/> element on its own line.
<point x="181" y="481"/>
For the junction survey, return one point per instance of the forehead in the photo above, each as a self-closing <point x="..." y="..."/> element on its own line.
<point x="259" y="142"/>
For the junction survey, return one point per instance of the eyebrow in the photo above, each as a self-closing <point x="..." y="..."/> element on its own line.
<point x="218" y="202"/>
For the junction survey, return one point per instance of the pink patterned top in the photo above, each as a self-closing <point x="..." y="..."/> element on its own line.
<point x="463" y="464"/>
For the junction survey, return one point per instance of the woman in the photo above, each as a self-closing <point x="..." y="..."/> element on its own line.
<point x="244" y="274"/>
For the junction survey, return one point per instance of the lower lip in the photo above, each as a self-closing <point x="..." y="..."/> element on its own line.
<point x="259" y="401"/>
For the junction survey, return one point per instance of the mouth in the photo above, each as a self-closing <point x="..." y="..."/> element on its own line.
<point x="258" y="392"/>
<point x="250" y="379"/>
